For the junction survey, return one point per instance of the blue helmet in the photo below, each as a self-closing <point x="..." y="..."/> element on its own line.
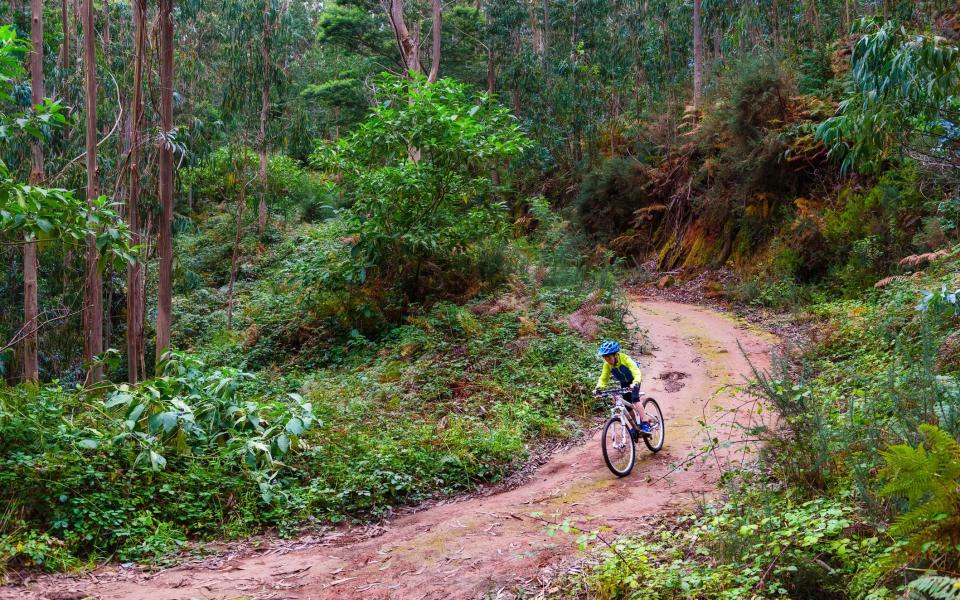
<point x="608" y="347"/>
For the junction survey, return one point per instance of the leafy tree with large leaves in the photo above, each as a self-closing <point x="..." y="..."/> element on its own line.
<point x="417" y="171"/>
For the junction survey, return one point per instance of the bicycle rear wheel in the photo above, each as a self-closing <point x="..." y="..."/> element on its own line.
<point x="618" y="450"/>
<point x="654" y="440"/>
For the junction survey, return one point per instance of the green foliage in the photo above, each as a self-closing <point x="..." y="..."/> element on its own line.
<point x="760" y="545"/>
<point x="339" y="422"/>
<point x="218" y="178"/>
<point x="345" y="99"/>
<point x="189" y="452"/>
<point x="901" y="98"/>
<point x="932" y="587"/>
<point x="190" y="410"/>
<point x="927" y="477"/>
<point x="759" y="98"/>
<point x="417" y="172"/>
<point x="41" y="213"/>
<point x="610" y="194"/>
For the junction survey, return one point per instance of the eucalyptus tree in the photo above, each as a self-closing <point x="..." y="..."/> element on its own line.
<point x="93" y="279"/>
<point x="31" y="212"/>
<point x="31" y="371"/>
<point x="165" y="242"/>
<point x="135" y="272"/>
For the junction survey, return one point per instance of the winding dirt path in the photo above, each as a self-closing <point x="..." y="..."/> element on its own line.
<point x="473" y="547"/>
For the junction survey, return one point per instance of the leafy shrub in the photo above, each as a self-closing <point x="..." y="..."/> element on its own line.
<point x="759" y="546"/>
<point x="190" y="410"/>
<point x="927" y="477"/>
<point x="418" y="174"/>
<point x="760" y="91"/>
<point x="189" y="452"/>
<point x="218" y="179"/>
<point x="900" y="98"/>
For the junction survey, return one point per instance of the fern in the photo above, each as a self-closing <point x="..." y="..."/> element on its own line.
<point x="934" y="587"/>
<point x="928" y="478"/>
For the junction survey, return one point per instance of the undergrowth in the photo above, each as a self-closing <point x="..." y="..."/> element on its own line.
<point x="309" y="411"/>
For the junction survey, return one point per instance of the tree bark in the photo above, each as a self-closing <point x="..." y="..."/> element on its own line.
<point x="535" y="31"/>
<point x="697" y="55"/>
<point x="264" y="111"/>
<point x="546" y="28"/>
<point x="135" y="281"/>
<point x="437" y="11"/>
<point x="407" y="43"/>
<point x="775" y="23"/>
<point x="65" y="47"/>
<point x="105" y="44"/>
<point x="31" y="370"/>
<point x="165" y="243"/>
<point x="93" y="279"/>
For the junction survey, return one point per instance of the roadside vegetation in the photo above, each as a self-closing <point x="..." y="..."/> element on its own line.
<point x="270" y="267"/>
<point x="854" y="492"/>
<point x="331" y="376"/>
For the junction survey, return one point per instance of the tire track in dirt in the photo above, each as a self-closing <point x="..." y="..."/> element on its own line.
<point x="466" y="549"/>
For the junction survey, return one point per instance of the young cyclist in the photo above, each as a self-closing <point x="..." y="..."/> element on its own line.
<point x="627" y="374"/>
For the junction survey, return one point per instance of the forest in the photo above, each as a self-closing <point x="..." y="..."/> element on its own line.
<point x="293" y="274"/>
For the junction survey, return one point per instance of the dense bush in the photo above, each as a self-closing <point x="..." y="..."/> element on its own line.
<point x="754" y="546"/>
<point x="417" y="173"/>
<point x="192" y="452"/>
<point x="219" y="177"/>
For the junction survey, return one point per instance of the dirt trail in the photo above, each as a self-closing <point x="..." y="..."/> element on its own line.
<point x="469" y="548"/>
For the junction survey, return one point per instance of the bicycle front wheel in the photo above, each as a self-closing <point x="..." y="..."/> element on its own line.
<point x="654" y="441"/>
<point x="618" y="449"/>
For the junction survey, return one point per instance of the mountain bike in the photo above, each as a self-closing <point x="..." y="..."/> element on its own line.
<point x="620" y="433"/>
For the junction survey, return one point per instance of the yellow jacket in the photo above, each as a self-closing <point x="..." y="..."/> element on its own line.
<point x="624" y="370"/>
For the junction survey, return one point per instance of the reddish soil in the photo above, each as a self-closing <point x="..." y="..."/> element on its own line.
<point x="480" y="546"/>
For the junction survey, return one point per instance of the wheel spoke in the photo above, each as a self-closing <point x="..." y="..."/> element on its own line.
<point x="618" y="447"/>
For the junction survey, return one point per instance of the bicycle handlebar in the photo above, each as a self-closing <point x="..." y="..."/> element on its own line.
<point x="611" y="391"/>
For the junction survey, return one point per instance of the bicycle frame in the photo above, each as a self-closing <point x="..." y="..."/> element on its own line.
<point x="619" y="410"/>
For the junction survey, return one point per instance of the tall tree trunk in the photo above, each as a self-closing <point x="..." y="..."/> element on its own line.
<point x="65" y="47"/>
<point x="31" y="369"/>
<point x="667" y="47"/>
<point x="515" y="89"/>
<point x="546" y="28"/>
<point x="775" y="23"/>
<point x="407" y="43"/>
<point x="437" y="11"/>
<point x="264" y="111"/>
<point x="697" y="55"/>
<point x="535" y="31"/>
<point x="165" y="243"/>
<point x="93" y="279"/>
<point x="135" y="280"/>
<point x="105" y="45"/>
